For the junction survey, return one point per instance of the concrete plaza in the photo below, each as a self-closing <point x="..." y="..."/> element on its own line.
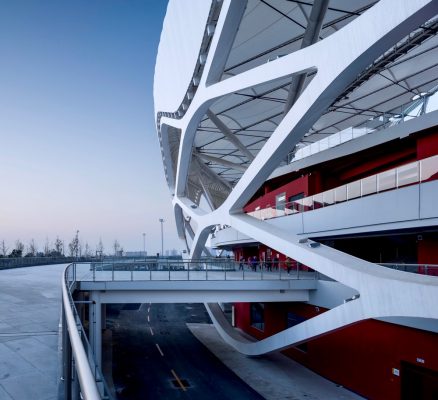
<point x="30" y="304"/>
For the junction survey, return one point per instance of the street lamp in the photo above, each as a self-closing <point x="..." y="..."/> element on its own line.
<point x="144" y="244"/>
<point x="161" y="221"/>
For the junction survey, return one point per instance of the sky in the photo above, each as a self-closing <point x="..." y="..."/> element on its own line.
<point x="78" y="146"/>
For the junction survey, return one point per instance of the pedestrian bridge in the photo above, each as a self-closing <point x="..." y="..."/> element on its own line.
<point x="88" y="287"/>
<point x="190" y="282"/>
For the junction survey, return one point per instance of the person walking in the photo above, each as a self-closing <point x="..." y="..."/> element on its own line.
<point x="288" y="263"/>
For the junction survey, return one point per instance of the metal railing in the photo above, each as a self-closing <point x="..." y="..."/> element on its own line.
<point x="379" y="121"/>
<point x="405" y="175"/>
<point x="79" y="363"/>
<point x="18" y="262"/>
<point x="423" y="269"/>
<point x="195" y="270"/>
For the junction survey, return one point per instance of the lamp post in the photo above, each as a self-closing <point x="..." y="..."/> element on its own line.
<point x="161" y="221"/>
<point x="144" y="244"/>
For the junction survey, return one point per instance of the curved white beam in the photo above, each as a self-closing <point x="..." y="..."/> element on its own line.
<point x="337" y="59"/>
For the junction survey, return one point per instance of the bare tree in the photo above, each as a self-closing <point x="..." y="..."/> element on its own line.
<point x="73" y="246"/>
<point x="46" y="247"/>
<point x="18" y="251"/>
<point x="116" y="247"/>
<point x="19" y="245"/>
<point x="87" y="250"/>
<point x="3" y="248"/>
<point x="99" y="248"/>
<point x="59" y="246"/>
<point x="32" y="248"/>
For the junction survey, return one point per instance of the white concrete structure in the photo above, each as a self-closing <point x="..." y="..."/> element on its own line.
<point x="215" y="160"/>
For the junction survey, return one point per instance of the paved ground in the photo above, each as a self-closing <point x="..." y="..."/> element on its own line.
<point x="156" y="357"/>
<point x="30" y="301"/>
<point x="274" y="376"/>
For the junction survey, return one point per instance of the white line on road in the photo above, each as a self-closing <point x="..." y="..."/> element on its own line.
<point x="149" y="319"/>
<point x="152" y="332"/>
<point x="159" y="349"/>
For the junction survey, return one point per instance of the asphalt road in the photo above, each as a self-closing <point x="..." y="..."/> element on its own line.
<point x="155" y="356"/>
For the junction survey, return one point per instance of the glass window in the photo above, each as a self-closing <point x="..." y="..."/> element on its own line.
<point x="257" y="315"/>
<point x="387" y="180"/>
<point x="407" y="174"/>
<point x="429" y="168"/>
<point x="280" y="203"/>
<point x="353" y="189"/>
<point x="294" y="319"/>
<point x="369" y="185"/>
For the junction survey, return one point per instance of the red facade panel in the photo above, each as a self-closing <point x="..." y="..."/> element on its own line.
<point x="360" y="357"/>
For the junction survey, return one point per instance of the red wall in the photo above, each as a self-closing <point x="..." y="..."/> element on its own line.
<point x="350" y="168"/>
<point x="359" y="357"/>
<point x="292" y="188"/>
<point x="427" y="146"/>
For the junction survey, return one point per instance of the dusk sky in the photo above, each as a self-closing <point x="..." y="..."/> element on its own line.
<point x="79" y="150"/>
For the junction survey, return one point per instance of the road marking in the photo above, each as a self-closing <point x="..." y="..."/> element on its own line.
<point x="159" y="349"/>
<point x="152" y="332"/>
<point x="149" y="320"/>
<point x="178" y="380"/>
<point x="149" y="309"/>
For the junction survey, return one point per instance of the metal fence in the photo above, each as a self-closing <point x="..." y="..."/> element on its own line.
<point x="423" y="269"/>
<point x="194" y="270"/>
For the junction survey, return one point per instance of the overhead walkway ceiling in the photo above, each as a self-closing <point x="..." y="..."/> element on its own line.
<point x="270" y="29"/>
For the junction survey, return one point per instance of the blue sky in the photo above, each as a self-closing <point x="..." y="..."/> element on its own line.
<point x="78" y="144"/>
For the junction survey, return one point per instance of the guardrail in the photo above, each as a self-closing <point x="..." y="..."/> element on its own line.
<point x="81" y="375"/>
<point x="423" y="269"/>
<point x="19" y="262"/>
<point x="382" y="120"/>
<point x="404" y="175"/>
<point x="198" y="270"/>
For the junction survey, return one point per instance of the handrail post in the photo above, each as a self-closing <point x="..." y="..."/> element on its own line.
<point x="94" y="272"/>
<point x="112" y="274"/>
